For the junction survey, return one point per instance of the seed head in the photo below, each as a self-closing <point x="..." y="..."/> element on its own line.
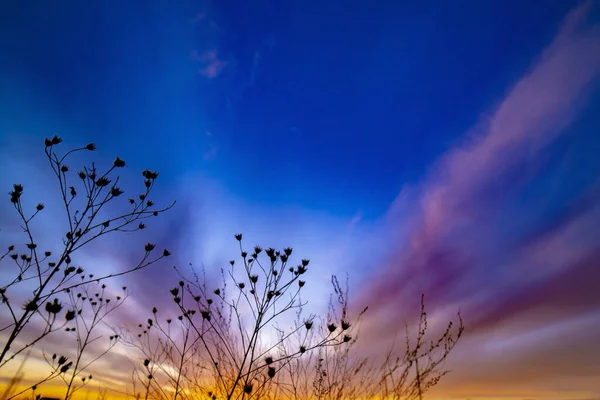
<point x="70" y="315"/>
<point x="102" y="181"/>
<point x="119" y="163"/>
<point x="66" y="367"/>
<point x="149" y="175"/>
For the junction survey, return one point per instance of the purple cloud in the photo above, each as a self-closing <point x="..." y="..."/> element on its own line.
<point x="461" y="238"/>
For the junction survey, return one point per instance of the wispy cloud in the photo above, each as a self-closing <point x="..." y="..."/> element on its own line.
<point x="211" y="64"/>
<point x="463" y="244"/>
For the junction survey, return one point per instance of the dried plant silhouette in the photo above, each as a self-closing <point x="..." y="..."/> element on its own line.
<point x="227" y="341"/>
<point x="63" y="297"/>
<point x="247" y="336"/>
<point x="406" y="373"/>
<point x="230" y="341"/>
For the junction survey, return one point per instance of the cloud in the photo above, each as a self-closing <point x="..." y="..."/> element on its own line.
<point x="211" y="64"/>
<point x="463" y="240"/>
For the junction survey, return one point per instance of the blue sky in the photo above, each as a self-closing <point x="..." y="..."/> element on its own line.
<point x="457" y="141"/>
<point x="368" y="96"/>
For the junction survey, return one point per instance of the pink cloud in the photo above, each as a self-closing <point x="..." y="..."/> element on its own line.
<point x="537" y="110"/>
<point x="453" y="245"/>
<point x="212" y="65"/>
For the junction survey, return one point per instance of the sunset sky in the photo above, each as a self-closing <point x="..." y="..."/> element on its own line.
<point x="440" y="147"/>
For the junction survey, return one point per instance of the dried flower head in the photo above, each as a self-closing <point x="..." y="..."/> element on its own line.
<point x="119" y="163"/>
<point x="102" y="181"/>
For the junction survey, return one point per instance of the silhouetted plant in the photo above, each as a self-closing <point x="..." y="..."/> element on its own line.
<point x="223" y="331"/>
<point x="215" y="347"/>
<point x="55" y="280"/>
<point x="340" y="374"/>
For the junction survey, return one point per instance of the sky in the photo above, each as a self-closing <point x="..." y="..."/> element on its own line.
<point x="445" y="148"/>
